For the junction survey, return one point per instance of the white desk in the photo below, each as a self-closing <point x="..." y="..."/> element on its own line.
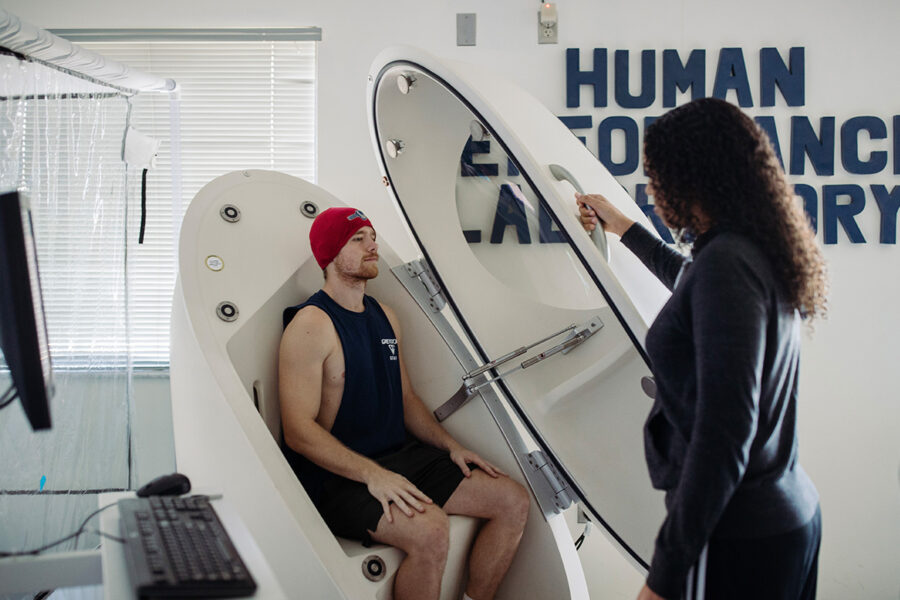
<point x="116" y="585"/>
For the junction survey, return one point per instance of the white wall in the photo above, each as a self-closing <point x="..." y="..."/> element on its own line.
<point x="849" y="407"/>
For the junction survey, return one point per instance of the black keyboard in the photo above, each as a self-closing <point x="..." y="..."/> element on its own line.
<point x="176" y="547"/>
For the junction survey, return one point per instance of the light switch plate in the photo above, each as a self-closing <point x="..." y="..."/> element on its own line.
<point x="465" y="29"/>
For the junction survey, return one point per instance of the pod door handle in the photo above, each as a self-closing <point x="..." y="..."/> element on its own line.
<point x="560" y="173"/>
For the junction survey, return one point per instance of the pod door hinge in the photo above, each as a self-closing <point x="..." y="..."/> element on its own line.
<point x="420" y="270"/>
<point x="557" y="487"/>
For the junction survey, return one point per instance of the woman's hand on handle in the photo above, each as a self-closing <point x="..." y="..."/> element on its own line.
<point x="594" y="209"/>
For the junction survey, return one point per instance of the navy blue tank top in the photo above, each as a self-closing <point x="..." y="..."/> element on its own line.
<point x="370" y="418"/>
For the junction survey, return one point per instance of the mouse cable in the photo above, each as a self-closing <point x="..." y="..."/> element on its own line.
<point x="108" y="536"/>
<point x="75" y="535"/>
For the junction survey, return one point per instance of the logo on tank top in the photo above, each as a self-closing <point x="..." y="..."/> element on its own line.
<point x="391" y="343"/>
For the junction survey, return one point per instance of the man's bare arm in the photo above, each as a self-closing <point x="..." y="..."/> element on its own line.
<point x="421" y="422"/>
<point x="305" y="346"/>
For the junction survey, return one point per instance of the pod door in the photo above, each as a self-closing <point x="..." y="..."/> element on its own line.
<point x="498" y="226"/>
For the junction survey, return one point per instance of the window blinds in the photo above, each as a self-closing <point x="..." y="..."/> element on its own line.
<point x="242" y="105"/>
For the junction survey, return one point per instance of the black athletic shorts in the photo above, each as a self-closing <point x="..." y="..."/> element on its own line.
<point x="351" y="511"/>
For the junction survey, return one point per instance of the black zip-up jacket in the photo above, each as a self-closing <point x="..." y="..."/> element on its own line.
<point x="721" y="438"/>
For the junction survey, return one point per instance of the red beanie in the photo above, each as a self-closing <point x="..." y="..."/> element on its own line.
<point x="331" y="230"/>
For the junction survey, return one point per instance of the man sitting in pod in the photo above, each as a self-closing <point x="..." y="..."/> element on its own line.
<point x="347" y="407"/>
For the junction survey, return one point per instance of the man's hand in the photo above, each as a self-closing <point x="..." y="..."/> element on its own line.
<point x="595" y="209"/>
<point x="461" y="456"/>
<point x="647" y="594"/>
<point x="387" y="486"/>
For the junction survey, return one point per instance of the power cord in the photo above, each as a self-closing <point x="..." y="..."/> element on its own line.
<point x="584" y="534"/>
<point x="579" y="542"/>
<point x="75" y="535"/>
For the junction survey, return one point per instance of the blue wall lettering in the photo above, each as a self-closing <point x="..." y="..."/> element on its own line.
<point x="810" y="203"/>
<point x="731" y="74"/>
<point x="578" y="122"/>
<point x="511" y="169"/>
<point x="832" y="212"/>
<point x="473" y="236"/>
<point x="575" y="77"/>
<point x="468" y="166"/>
<point x="647" y="95"/>
<point x="768" y="125"/>
<point x="850" y="145"/>
<point x="604" y="144"/>
<point x="640" y="197"/>
<point x="819" y="148"/>
<point x="896" y="144"/>
<point x="888" y="204"/>
<point x="683" y="76"/>
<point x="865" y="147"/>
<point x="510" y="213"/>
<point x="790" y="80"/>
<point x="546" y="232"/>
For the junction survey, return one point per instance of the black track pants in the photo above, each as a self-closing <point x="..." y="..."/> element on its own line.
<point x="779" y="567"/>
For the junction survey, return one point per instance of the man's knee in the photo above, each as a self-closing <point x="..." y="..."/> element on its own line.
<point x="430" y="535"/>
<point x="522" y="503"/>
<point x="515" y="503"/>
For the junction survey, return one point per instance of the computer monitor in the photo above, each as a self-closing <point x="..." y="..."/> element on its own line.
<point x="23" y="328"/>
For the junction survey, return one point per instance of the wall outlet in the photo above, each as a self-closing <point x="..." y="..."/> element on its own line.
<point x="546" y="32"/>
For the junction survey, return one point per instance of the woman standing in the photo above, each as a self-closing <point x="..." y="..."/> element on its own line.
<point x="721" y="438"/>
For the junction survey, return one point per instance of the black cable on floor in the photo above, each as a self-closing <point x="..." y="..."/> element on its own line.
<point x="8" y="397"/>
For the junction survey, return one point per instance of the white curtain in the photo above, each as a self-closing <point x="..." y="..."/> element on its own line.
<point x="63" y="150"/>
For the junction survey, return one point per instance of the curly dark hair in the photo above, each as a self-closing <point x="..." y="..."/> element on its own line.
<point x="708" y="155"/>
